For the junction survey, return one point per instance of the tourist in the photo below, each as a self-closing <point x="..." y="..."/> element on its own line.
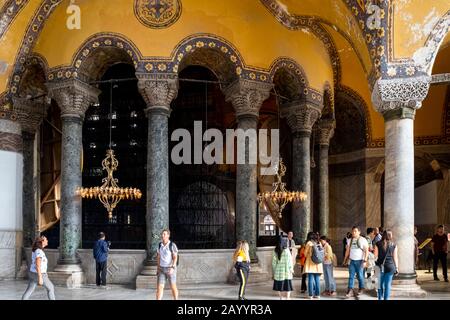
<point x="370" y="258"/>
<point x="314" y="254"/>
<point x="357" y="252"/>
<point x="283" y="269"/>
<point x="345" y="242"/>
<point x="378" y="234"/>
<point x="241" y="259"/>
<point x="100" y="252"/>
<point x="439" y="248"/>
<point x="38" y="270"/>
<point x="302" y="259"/>
<point x="166" y="260"/>
<point x="387" y="260"/>
<point x="291" y="242"/>
<point x="330" y="283"/>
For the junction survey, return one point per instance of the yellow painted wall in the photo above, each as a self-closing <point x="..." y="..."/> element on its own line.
<point x="429" y="117"/>
<point x="413" y="22"/>
<point x="337" y="13"/>
<point x="353" y="76"/>
<point x="245" y="23"/>
<point x="11" y="40"/>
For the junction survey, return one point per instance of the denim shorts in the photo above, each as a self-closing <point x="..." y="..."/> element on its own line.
<point x="164" y="274"/>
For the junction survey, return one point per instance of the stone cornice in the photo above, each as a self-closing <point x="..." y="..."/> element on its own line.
<point x="247" y="96"/>
<point x="73" y="96"/>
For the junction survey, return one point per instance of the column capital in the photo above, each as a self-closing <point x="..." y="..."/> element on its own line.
<point x="73" y="96"/>
<point x="325" y="131"/>
<point x="301" y="115"/>
<point x="30" y="113"/>
<point x="158" y="90"/>
<point x="247" y="96"/>
<point x="399" y="98"/>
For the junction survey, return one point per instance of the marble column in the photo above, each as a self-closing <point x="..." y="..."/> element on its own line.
<point x="74" y="98"/>
<point x="325" y="131"/>
<point x="397" y="100"/>
<point x="30" y="115"/>
<point x="247" y="97"/>
<point x="158" y="94"/>
<point x="11" y="164"/>
<point x="301" y="116"/>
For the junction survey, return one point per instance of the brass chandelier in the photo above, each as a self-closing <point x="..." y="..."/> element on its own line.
<point x="109" y="193"/>
<point x="279" y="197"/>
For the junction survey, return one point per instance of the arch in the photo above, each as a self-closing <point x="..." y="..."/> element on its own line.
<point x="426" y="55"/>
<point x="32" y="82"/>
<point x="212" y="52"/>
<point x="96" y="55"/>
<point x="289" y="78"/>
<point x="347" y="93"/>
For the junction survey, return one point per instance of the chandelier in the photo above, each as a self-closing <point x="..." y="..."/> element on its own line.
<point x="279" y="197"/>
<point x="109" y="193"/>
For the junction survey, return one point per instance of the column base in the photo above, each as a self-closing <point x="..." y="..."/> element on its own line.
<point x="147" y="278"/>
<point x="407" y="288"/>
<point x="68" y="275"/>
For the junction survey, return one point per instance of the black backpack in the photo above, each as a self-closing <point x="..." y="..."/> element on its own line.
<point x="171" y="250"/>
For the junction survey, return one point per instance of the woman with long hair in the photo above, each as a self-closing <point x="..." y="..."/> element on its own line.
<point x="387" y="260"/>
<point x="283" y="270"/>
<point x="241" y="259"/>
<point x="38" y="270"/>
<point x="314" y="270"/>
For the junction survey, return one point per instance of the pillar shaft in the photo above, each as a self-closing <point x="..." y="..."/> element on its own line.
<point x="29" y="190"/>
<point x="157" y="217"/>
<point x="301" y="180"/>
<point x="324" y="206"/>
<point x="246" y="192"/>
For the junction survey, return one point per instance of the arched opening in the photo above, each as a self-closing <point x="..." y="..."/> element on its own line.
<point x="201" y="199"/>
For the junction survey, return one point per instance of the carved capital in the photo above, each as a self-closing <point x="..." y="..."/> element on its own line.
<point x="30" y="113"/>
<point x="158" y="90"/>
<point x="247" y="96"/>
<point x="301" y="115"/>
<point x="73" y="96"/>
<point x="325" y="131"/>
<point x="396" y="94"/>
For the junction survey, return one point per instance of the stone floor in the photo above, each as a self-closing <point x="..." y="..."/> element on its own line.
<point x="13" y="290"/>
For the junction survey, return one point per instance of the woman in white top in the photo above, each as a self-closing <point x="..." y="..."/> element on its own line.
<point x="38" y="270"/>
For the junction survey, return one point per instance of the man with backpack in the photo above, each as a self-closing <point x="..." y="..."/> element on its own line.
<point x="357" y="252"/>
<point x="166" y="258"/>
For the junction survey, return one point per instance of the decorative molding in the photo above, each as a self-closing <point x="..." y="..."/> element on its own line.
<point x="247" y="96"/>
<point x="158" y="92"/>
<point x="30" y="113"/>
<point x="325" y="131"/>
<point x="9" y="12"/>
<point x="391" y="94"/>
<point x="291" y="66"/>
<point x="157" y="14"/>
<point x="9" y="126"/>
<point x="11" y="142"/>
<point x="301" y="115"/>
<point x="73" y="96"/>
<point x="441" y="78"/>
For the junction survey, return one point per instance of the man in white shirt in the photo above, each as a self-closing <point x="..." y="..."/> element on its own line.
<point x="167" y="256"/>
<point x="357" y="251"/>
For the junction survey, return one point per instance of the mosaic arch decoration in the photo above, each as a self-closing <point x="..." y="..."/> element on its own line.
<point x="157" y="14"/>
<point x="9" y="12"/>
<point x="101" y="40"/>
<point x="28" y="41"/>
<point x="293" y="22"/>
<point x="310" y="94"/>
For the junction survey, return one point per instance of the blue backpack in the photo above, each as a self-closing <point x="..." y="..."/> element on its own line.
<point x="318" y="254"/>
